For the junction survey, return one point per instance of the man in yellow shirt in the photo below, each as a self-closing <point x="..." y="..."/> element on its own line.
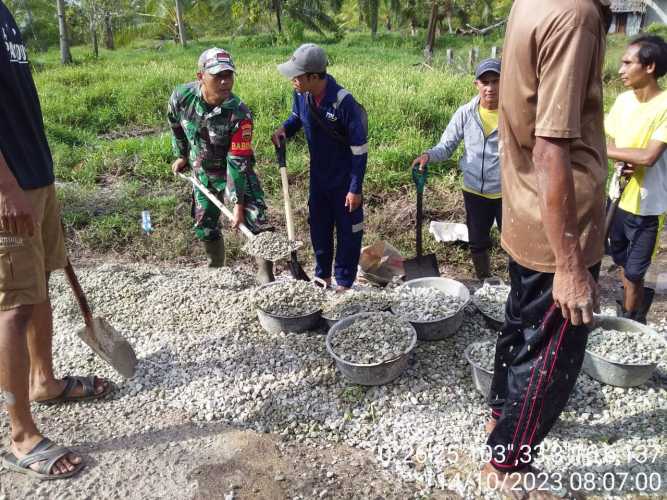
<point x="476" y="124"/>
<point x="636" y="128"/>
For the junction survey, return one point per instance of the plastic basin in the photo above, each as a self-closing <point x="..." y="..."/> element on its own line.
<point x="445" y="327"/>
<point x="619" y="374"/>
<point x="274" y="323"/>
<point x="369" y="374"/>
<point x="481" y="377"/>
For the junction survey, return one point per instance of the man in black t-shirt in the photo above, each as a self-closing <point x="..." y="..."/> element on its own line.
<point x="31" y="246"/>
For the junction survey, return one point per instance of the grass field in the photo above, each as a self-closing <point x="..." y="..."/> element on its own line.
<point x="106" y="124"/>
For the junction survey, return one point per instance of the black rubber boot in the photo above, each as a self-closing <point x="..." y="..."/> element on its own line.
<point x="482" y="263"/>
<point x="264" y="271"/>
<point x="649" y="293"/>
<point x="216" y="252"/>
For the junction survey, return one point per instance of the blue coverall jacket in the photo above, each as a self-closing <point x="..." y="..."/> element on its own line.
<point x="335" y="170"/>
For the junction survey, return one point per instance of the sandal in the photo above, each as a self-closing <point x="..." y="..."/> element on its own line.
<point x="47" y="452"/>
<point x="88" y="384"/>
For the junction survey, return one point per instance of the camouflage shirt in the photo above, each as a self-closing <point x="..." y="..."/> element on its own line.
<point x="215" y="140"/>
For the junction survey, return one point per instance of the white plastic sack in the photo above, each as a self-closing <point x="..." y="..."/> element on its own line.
<point x="448" y="231"/>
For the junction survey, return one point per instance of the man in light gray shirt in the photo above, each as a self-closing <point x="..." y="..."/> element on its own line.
<point x="476" y="124"/>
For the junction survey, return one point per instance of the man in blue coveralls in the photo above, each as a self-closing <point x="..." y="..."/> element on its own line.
<point x="335" y="126"/>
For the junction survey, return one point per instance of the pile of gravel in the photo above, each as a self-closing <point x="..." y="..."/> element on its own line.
<point x="373" y="338"/>
<point x="629" y="348"/>
<point x="361" y="300"/>
<point x="290" y="298"/>
<point x="483" y="354"/>
<point x="491" y="300"/>
<point x="425" y="304"/>
<point x="203" y="353"/>
<point x="271" y="245"/>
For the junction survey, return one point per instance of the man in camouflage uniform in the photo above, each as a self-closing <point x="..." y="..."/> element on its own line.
<point x="212" y="133"/>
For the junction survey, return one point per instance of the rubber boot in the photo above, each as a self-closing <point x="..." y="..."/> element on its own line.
<point x="264" y="271"/>
<point x="482" y="263"/>
<point x="649" y="293"/>
<point x="216" y="252"/>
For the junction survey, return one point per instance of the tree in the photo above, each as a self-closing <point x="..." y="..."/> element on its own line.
<point x="65" y="54"/>
<point x="181" y="26"/>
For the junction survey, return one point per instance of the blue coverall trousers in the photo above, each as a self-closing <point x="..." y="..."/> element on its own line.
<point x="327" y="211"/>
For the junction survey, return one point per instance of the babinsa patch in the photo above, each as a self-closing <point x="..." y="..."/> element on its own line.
<point x="242" y="139"/>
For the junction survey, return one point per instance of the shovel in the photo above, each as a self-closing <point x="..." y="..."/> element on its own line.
<point x="100" y="336"/>
<point x="611" y="209"/>
<point x="295" y="268"/>
<point x="225" y="211"/>
<point x="422" y="266"/>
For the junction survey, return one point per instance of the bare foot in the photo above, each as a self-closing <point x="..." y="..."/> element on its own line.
<point x="342" y="289"/>
<point x="515" y="485"/>
<point x="490" y="425"/>
<point x="66" y="464"/>
<point x="55" y="388"/>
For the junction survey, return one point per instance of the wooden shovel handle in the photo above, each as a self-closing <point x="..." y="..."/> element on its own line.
<point x="78" y="293"/>
<point x="225" y="211"/>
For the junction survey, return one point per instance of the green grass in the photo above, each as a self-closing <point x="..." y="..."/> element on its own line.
<point x="106" y="124"/>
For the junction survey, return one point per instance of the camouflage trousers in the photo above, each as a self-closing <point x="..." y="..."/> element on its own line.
<point x="207" y="215"/>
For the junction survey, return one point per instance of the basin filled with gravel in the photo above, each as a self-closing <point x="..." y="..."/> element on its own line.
<point x="480" y="356"/>
<point x="622" y="352"/>
<point x="490" y="299"/>
<point x="371" y="348"/>
<point x="434" y="306"/>
<point x="289" y="306"/>
<point x="271" y="245"/>
<point x="339" y="306"/>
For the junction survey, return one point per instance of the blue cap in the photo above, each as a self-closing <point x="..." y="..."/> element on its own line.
<point x="487" y="65"/>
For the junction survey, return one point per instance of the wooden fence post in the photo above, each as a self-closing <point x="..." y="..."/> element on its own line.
<point x="450" y="57"/>
<point x="494" y="52"/>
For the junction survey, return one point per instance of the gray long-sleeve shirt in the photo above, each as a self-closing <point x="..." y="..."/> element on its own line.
<point x="480" y="162"/>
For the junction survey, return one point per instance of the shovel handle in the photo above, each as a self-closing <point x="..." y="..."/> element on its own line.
<point x="78" y="293"/>
<point x="281" y="154"/>
<point x="225" y="211"/>
<point x="611" y="209"/>
<point x="420" y="216"/>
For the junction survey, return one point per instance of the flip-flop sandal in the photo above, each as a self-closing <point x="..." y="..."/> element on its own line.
<point x="46" y="452"/>
<point x="88" y="384"/>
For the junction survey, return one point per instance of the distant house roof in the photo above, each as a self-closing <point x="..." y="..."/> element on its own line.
<point x="628" y="6"/>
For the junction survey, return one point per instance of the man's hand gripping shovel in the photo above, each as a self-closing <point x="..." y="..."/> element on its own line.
<point x="620" y="182"/>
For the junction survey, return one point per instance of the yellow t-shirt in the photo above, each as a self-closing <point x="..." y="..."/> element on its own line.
<point x="632" y="124"/>
<point x="489" y="119"/>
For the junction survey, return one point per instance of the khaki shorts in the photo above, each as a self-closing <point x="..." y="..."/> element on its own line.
<point x="25" y="261"/>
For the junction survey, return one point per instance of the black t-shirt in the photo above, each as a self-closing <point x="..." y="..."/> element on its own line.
<point x="22" y="138"/>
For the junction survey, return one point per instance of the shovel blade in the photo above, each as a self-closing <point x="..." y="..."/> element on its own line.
<point x="296" y="270"/>
<point x="110" y="345"/>
<point x="425" y="266"/>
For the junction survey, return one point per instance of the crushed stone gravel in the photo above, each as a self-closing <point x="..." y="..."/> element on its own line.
<point x="425" y="304"/>
<point x="367" y="299"/>
<point x="271" y="245"/>
<point x="290" y="298"/>
<point x="373" y="338"/>
<point x="202" y="352"/>
<point x="491" y="300"/>
<point x="630" y="348"/>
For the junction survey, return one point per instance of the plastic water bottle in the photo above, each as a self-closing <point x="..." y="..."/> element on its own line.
<point x="146" y="222"/>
